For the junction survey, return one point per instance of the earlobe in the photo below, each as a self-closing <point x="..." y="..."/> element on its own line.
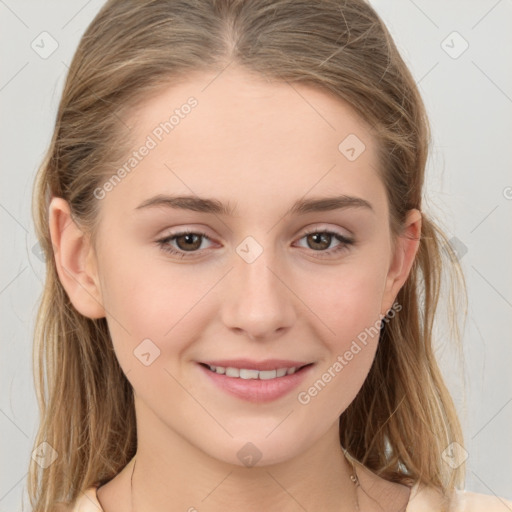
<point x="407" y="246"/>
<point x="75" y="260"/>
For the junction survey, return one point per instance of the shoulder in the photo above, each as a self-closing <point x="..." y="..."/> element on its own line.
<point x="87" y="501"/>
<point x="426" y="499"/>
<point x="475" y="502"/>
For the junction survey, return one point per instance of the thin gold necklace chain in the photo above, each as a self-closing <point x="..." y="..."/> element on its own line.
<point x="353" y="478"/>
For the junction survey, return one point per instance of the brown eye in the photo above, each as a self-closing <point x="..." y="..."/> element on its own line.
<point x="184" y="244"/>
<point x="319" y="241"/>
<point x="188" y="241"/>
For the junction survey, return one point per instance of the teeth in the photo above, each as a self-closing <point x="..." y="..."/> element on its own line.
<point x="248" y="374"/>
<point x="244" y="373"/>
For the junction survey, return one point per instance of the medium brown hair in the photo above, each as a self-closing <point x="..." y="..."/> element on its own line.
<point x="403" y="417"/>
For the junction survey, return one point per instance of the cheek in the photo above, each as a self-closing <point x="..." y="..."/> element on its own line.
<point x="154" y="302"/>
<point x="347" y="303"/>
<point x="346" y="299"/>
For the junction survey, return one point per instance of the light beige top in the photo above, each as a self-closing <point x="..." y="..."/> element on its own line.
<point x="422" y="499"/>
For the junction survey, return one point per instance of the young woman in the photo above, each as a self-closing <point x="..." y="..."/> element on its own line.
<point x="241" y="282"/>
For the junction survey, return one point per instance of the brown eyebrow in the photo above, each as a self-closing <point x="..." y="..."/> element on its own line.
<point x="300" y="207"/>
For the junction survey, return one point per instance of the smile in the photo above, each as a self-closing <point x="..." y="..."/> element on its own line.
<point x="244" y="373"/>
<point x="260" y="386"/>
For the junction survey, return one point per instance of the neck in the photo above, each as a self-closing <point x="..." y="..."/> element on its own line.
<point x="173" y="474"/>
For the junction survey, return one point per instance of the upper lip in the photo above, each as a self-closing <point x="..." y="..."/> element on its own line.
<point x="248" y="364"/>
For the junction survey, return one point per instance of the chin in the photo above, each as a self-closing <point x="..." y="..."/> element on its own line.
<point x="258" y="451"/>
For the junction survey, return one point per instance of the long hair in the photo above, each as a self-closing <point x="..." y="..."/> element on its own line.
<point x="403" y="418"/>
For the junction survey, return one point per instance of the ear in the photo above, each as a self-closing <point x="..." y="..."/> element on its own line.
<point x="75" y="260"/>
<point x="407" y="245"/>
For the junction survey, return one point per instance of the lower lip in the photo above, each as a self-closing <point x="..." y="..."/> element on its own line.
<point x="257" y="390"/>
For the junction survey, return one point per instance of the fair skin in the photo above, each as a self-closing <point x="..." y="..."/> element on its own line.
<point x="258" y="147"/>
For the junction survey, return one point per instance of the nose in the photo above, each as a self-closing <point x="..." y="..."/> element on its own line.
<point x="259" y="303"/>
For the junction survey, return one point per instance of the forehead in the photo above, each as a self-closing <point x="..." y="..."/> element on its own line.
<point x="232" y="131"/>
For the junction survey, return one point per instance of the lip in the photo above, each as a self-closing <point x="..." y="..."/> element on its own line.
<point x="267" y="364"/>
<point x="256" y="390"/>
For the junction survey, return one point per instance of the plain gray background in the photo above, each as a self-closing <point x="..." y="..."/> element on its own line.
<point x="459" y="53"/>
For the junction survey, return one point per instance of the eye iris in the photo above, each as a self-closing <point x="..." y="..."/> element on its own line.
<point x="189" y="237"/>
<point x="324" y="239"/>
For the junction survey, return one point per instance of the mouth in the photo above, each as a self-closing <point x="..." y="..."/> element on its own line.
<point x="253" y="374"/>
<point x="256" y="385"/>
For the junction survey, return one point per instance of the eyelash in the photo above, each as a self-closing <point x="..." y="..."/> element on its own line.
<point x="344" y="245"/>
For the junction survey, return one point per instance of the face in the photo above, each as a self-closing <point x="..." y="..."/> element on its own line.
<point x="256" y="279"/>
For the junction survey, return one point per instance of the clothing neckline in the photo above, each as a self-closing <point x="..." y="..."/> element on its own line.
<point x="92" y="494"/>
